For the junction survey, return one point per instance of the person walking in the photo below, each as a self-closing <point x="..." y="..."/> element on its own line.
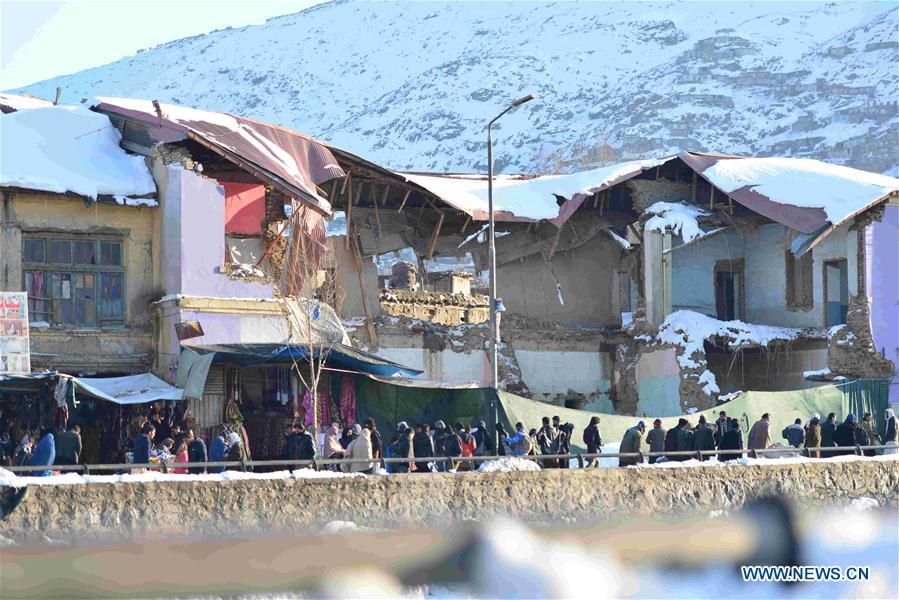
<point x="593" y="440"/>
<point x="402" y="448"/>
<point x="44" y="453"/>
<point x="794" y="434"/>
<point x="143" y="445"/>
<point x="306" y="446"/>
<point x="888" y="437"/>
<point x="760" y="433"/>
<point x="519" y="444"/>
<point x="469" y="446"/>
<point x="484" y="440"/>
<point x="196" y="451"/>
<point x="376" y="442"/>
<point x="671" y="439"/>
<point x="360" y="452"/>
<point x="656" y="439"/>
<point x="68" y="446"/>
<point x="422" y="448"/>
<point x="547" y="439"/>
<point x="867" y="427"/>
<point x="703" y="437"/>
<point x="813" y="436"/>
<point x="630" y="443"/>
<point x="722" y="426"/>
<point x="684" y="440"/>
<point x="453" y="446"/>
<point x="845" y="435"/>
<point x="501" y="436"/>
<point x="828" y="431"/>
<point x="731" y="440"/>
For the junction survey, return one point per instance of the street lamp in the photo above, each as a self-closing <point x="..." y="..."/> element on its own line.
<point x="495" y="306"/>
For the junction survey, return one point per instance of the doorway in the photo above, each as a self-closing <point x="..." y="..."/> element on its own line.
<point x="729" y="290"/>
<point x="836" y="292"/>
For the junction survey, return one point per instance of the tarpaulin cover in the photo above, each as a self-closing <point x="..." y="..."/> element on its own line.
<point x="389" y="404"/>
<point x="130" y="389"/>
<point x="783" y="407"/>
<point x="25" y="381"/>
<point x="340" y="356"/>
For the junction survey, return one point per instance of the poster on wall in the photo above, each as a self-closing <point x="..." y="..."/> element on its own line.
<point x="15" y="353"/>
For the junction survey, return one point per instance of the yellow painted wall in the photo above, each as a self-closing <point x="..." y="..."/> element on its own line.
<point x="126" y="349"/>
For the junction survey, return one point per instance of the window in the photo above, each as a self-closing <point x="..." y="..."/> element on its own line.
<point x="799" y="281"/>
<point x="74" y="280"/>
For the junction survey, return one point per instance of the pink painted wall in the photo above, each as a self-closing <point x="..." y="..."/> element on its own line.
<point x="882" y="275"/>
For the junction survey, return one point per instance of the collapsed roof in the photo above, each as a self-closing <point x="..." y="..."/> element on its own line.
<point x="290" y="161"/>
<point x="70" y="149"/>
<point x="13" y="102"/>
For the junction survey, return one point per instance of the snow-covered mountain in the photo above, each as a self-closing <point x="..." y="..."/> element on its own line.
<point x="412" y="85"/>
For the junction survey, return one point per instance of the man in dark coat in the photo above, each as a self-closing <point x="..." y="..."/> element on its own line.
<point x="630" y="443"/>
<point x="845" y="435"/>
<point x="453" y="448"/>
<point x="196" y="451"/>
<point x="441" y="436"/>
<point x="684" y="440"/>
<point x="484" y="438"/>
<point x="401" y="448"/>
<point x="828" y="429"/>
<point x="501" y="434"/>
<point x="656" y="439"/>
<point x="305" y="444"/>
<point x="671" y="438"/>
<point x="794" y="434"/>
<point x="143" y="444"/>
<point x="593" y="440"/>
<point x="703" y="437"/>
<point x="376" y="442"/>
<point x="565" y="443"/>
<point x="722" y="426"/>
<point x="68" y="446"/>
<point x="422" y="447"/>
<point x="731" y="440"/>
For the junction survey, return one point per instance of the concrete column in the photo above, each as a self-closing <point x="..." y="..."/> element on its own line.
<point x="10" y="246"/>
<point x="657" y="276"/>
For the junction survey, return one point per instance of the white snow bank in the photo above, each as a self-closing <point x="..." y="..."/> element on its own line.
<point x="8" y="478"/>
<point x="510" y="463"/>
<point x="818" y="373"/>
<point x="675" y="216"/>
<point x="18" y="102"/>
<point x="528" y="198"/>
<point x="69" y="149"/>
<point x="748" y="462"/>
<point x="839" y="191"/>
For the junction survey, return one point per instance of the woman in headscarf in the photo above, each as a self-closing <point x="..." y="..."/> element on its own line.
<point x="235" y="447"/>
<point x="360" y="448"/>
<point x="217" y="453"/>
<point x="813" y="435"/>
<point x="346" y="438"/>
<point x="889" y="436"/>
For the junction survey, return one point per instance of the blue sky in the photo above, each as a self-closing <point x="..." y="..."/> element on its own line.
<point x="42" y="39"/>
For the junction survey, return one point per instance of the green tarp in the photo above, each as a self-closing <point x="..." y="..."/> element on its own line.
<point x="389" y="404"/>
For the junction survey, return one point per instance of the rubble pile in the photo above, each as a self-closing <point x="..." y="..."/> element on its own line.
<point x="436" y="307"/>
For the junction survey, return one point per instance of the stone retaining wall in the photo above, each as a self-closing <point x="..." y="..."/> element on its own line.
<point x="123" y="510"/>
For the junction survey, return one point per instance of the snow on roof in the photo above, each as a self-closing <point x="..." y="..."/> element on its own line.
<point x="69" y="149"/>
<point x="528" y="199"/>
<point x="840" y="191"/>
<point x="16" y="102"/>
<point x="678" y="217"/>
<point x="297" y="159"/>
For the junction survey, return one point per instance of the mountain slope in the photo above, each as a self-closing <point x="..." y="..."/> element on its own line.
<point x="412" y="85"/>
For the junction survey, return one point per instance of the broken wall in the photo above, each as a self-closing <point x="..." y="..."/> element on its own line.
<point x="586" y="273"/>
<point x="693" y="271"/>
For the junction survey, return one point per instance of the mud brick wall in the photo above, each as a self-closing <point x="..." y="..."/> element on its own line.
<point x="851" y="351"/>
<point x="134" y="510"/>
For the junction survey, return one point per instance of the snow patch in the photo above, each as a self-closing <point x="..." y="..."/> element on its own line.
<point x="708" y="382"/>
<point x="508" y="464"/>
<point x="677" y="217"/>
<point x="818" y="373"/>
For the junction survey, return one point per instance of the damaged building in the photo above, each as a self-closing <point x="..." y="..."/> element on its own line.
<point x="649" y="287"/>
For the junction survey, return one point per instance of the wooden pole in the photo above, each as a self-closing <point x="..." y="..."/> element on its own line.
<point x="405" y="197"/>
<point x="369" y="325"/>
<point x="433" y="243"/>
<point x="349" y="211"/>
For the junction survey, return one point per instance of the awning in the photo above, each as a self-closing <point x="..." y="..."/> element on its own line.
<point x="339" y="356"/>
<point x="130" y="389"/>
<point x="26" y="382"/>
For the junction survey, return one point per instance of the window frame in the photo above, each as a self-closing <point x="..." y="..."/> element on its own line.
<point x="793" y="268"/>
<point x="54" y="306"/>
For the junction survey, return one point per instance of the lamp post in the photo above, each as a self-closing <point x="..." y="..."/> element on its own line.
<point x="494" y="305"/>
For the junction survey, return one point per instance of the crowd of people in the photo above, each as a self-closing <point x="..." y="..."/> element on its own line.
<point x="443" y="448"/>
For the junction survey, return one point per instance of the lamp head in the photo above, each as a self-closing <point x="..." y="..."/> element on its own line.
<point x="521" y="101"/>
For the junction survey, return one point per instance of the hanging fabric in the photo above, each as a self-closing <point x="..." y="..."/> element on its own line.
<point x="347" y="399"/>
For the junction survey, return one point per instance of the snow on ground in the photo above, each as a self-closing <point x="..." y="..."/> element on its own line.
<point x="817" y="373"/>
<point x="677" y="217"/>
<point x="839" y="191"/>
<point x="18" y="102"/>
<point x="8" y="478"/>
<point x="70" y="149"/>
<point x="508" y="464"/>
